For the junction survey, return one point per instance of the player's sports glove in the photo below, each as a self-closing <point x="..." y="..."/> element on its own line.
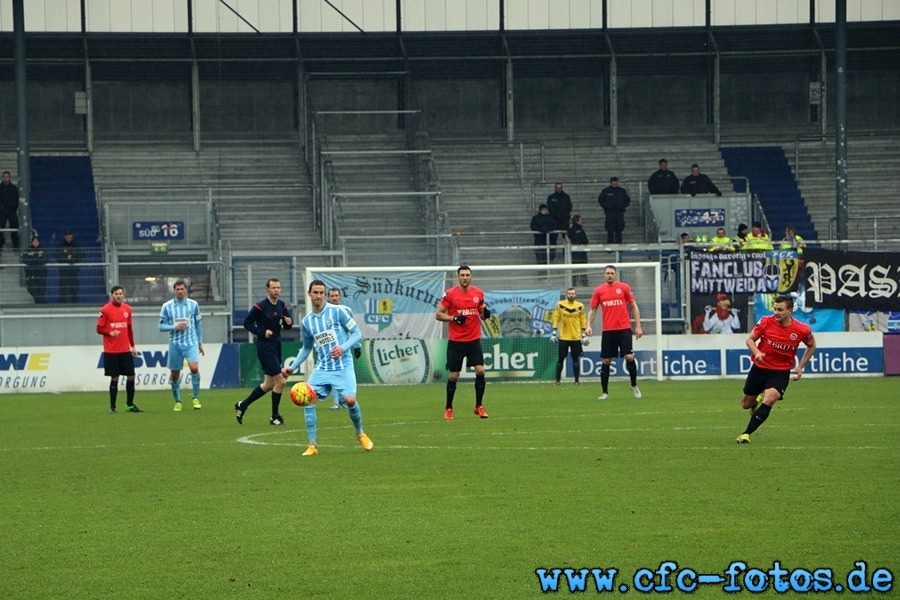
<point x="357" y="352"/>
<point x="486" y="314"/>
<point x="459" y="319"/>
<point x="553" y="338"/>
<point x="585" y="340"/>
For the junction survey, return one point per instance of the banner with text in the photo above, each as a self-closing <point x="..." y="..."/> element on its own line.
<point x="519" y="314"/>
<point x="863" y="281"/>
<point x="743" y="272"/>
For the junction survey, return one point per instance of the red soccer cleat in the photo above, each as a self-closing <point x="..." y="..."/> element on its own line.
<point x="479" y="410"/>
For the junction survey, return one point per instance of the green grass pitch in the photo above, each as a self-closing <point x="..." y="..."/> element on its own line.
<point x="193" y="505"/>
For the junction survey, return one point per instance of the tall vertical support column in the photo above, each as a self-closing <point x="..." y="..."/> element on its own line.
<point x="613" y="103"/>
<point x="23" y="153"/>
<point x="510" y="102"/>
<point x="89" y="100"/>
<point x="840" y="136"/>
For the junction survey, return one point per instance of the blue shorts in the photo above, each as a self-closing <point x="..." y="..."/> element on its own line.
<point x="342" y="382"/>
<point x="269" y="355"/>
<point x="179" y="354"/>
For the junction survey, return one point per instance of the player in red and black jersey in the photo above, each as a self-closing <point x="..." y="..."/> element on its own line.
<point x="114" y="324"/>
<point x="773" y="343"/>
<point x="462" y="307"/>
<point x="613" y="298"/>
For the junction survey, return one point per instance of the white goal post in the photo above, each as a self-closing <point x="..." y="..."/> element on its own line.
<point x="378" y="292"/>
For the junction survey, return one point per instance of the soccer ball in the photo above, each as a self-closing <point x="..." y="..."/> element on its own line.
<point x="302" y="394"/>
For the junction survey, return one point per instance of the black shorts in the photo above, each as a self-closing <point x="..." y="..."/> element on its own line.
<point x="269" y="355"/>
<point x="759" y="380"/>
<point x="116" y="364"/>
<point x="573" y="345"/>
<point x="457" y="351"/>
<point x="615" y="343"/>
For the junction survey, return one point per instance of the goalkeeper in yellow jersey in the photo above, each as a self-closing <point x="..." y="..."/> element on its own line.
<point x="569" y="323"/>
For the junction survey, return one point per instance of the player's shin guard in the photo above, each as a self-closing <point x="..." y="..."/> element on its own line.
<point x="129" y="391"/>
<point x="631" y="365"/>
<point x="479" y="389"/>
<point x="175" y="384"/>
<point x="276" y="402"/>
<point x="451" y="391"/>
<point x="312" y="421"/>
<point x="604" y="377"/>
<point x="113" y="391"/>
<point x="758" y="418"/>
<point x="356" y="417"/>
<point x="195" y="384"/>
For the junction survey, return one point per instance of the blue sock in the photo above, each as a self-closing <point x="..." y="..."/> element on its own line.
<point x="311" y="422"/>
<point x="356" y="417"/>
<point x="176" y="389"/>
<point x="195" y="384"/>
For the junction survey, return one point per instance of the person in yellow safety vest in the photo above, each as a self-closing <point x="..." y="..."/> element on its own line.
<point x="721" y="242"/>
<point x="792" y="239"/>
<point x="758" y="239"/>
<point x="738" y="241"/>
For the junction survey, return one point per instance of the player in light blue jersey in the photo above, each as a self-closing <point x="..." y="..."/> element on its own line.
<point x="180" y="316"/>
<point x="328" y="330"/>
<point x="334" y="297"/>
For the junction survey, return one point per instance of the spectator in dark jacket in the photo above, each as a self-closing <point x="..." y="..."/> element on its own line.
<point x="614" y="200"/>
<point x="70" y="253"/>
<point x="35" y="259"/>
<point x="578" y="237"/>
<point x="663" y="181"/>
<point x="542" y="224"/>
<point x="698" y="183"/>
<point x="560" y="206"/>
<point x="9" y="210"/>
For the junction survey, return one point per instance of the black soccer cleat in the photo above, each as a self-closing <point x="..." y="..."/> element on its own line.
<point x="133" y="408"/>
<point x="239" y="413"/>
<point x="276" y="420"/>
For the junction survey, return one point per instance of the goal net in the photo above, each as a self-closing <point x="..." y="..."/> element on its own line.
<point x="404" y="344"/>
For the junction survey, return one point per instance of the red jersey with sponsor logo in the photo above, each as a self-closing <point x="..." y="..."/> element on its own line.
<point x="468" y="303"/>
<point x="116" y="317"/>
<point x="613" y="301"/>
<point x="780" y="342"/>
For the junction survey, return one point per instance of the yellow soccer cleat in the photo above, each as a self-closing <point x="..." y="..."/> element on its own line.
<point x="365" y="442"/>
<point x="197" y="404"/>
<point x="177" y="407"/>
<point x="311" y="451"/>
<point x="744" y="438"/>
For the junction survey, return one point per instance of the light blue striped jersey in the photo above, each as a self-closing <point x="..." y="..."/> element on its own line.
<point x="176" y="311"/>
<point x="349" y="311"/>
<point x="325" y="330"/>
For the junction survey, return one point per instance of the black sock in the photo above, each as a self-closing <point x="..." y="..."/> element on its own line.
<point x="576" y="368"/>
<point x="129" y="392"/>
<point x="276" y="400"/>
<point x="451" y="391"/>
<point x="479" y="389"/>
<point x="559" y="367"/>
<point x="758" y="418"/>
<point x="632" y="371"/>
<point x="255" y="395"/>
<point x="604" y="377"/>
<point x="113" y="391"/>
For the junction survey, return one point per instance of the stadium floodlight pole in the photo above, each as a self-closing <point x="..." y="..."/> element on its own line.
<point x="840" y="133"/>
<point x="450" y="270"/>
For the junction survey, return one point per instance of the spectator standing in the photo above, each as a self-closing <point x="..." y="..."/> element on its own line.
<point x="741" y="238"/>
<point x="266" y="320"/>
<point x="721" y="242"/>
<point x="70" y="254"/>
<point x="327" y="331"/>
<point x="543" y="223"/>
<point x="698" y="183"/>
<point x="462" y="308"/>
<point x="9" y="210"/>
<point x="560" y="206"/>
<point x="773" y="344"/>
<point x="181" y="317"/>
<point x="613" y="298"/>
<point x="334" y="297"/>
<point x="663" y="181"/>
<point x="115" y="325"/>
<point x="35" y="259"/>
<point x="569" y="323"/>
<point x="614" y="200"/>
<point x="792" y="239"/>
<point x="758" y="239"/>
<point x="578" y="237"/>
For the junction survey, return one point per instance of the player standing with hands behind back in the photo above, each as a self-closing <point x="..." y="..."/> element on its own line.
<point x="615" y="297"/>
<point x="114" y="324"/>
<point x="773" y="344"/>
<point x="461" y="307"/>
